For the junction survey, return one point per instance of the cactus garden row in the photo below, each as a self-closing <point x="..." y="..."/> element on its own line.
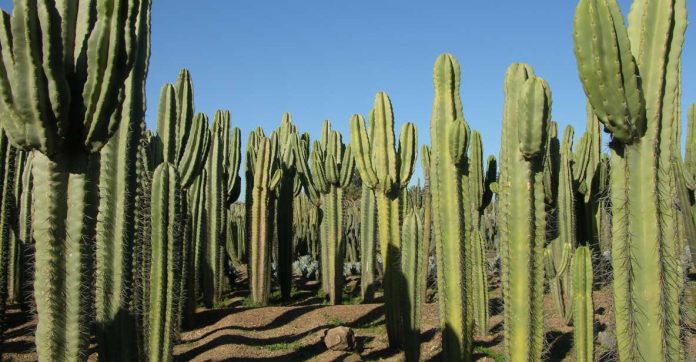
<point x="117" y="237"/>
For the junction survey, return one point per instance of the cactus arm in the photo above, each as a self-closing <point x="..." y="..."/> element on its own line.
<point x="413" y="256"/>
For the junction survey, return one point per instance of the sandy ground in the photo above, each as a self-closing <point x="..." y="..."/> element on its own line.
<point x="293" y="331"/>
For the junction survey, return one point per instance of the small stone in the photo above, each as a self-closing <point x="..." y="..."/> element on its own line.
<point x="339" y="339"/>
<point x="353" y="357"/>
<point x="607" y="339"/>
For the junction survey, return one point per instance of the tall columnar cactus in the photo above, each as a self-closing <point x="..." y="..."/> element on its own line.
<point x="17" y="258"/>
<point x="115" y="229"/>
<point x="635" y="93"/>
<point x="165" y="274"/>
<point x="368" y="246"/>
<point x="387" y="170"/>
<point x="216" y="209"/>
<point x="559" y="251"/>
<point x="583" y="314"/>
<point x="331" y="170"/>
<point x="688" y="172"/>
<point x="414" y="259"/>
<point x="427" y="215"/>
<point x="23" y="270"/>
<point x="449" y="135"/>
<point x="477" y="197"/>
<point x="252" y="147"/>
<point x="62" y="81"/>
<point x="267" y="176"/>
<point x="7" y="159"/>
<point x="197" y="203"/>
<point x="522" y="220"/>
<point x="285" y="193"/>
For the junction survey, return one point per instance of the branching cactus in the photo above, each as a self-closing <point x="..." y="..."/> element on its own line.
<point x="62" y="81"/>
<point x="522" y="219"/>
<point x="165" y="274"/>
<point x="252" y="147"/>
<point x="449" y="135"/>
<point x="387" y="170"/>
<point x="267" y="176"/>
<point x="581" y="270"/>
<point x="635" y="93"/>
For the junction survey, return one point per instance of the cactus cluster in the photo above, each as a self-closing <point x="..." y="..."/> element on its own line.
<point x="129" y="232"/>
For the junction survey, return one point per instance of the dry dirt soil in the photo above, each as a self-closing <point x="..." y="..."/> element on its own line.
<point x="293" y="330"/>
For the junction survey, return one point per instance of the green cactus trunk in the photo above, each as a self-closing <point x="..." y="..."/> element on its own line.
<point x="197" y="205"/>
<point x="285" y="232"/>
<point x="7" y="160"/>
<point x="581" y="269"/>
<point x="414" y="255"/>
<point x="64" y="233"/>
<point x="266" y="179"/>
<point x="25" y="242"/>
<point x="636" y="95"/>
<point x="448" y="216"/>
<point x="334" y="244"/>
<point x="17" y="258"/>
<point x="368" y="245"/>
<point x="213" y="267"/>
<point x="165" y="275"/>
<point x="523" y="214"/>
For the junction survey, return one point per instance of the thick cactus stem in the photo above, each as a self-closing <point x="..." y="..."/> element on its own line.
<point x="165" y="274"/>
<point x="581" y="269"/>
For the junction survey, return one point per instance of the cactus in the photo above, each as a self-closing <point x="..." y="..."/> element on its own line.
<point x="449" y="135"/>
<point x="285" y="194"/>
<point x="526" y="115"/>
<point x="414" y="258"/>
<point x="635" y="93"/>
<point x="165" y="274"/>
<point x="559" y="251"/>
<point x="688" y="175"/>
<point x="64" y="69"/>
<point x="115" y="229"/>
<point x="17" y="258"/>
<point x="331" y="170"/>
<point x="478" y="197"/>
<point x="581" y="269"/>
<point x="7" y="159"/>
<point x="368" y="233"/>
<point x="267" y="176"/>
<point x="387" y="170"/>
<point x="23" y="274"/>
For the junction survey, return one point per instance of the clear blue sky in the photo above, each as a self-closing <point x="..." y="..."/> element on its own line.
<point x="327" y="59"/>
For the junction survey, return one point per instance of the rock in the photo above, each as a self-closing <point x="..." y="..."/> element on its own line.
<point x="607" y="339"/>
<point x="339" y="339"/>
<point x="353" y="357"/>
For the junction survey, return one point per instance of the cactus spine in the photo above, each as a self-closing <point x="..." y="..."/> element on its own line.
<point x="581" y="269"/>
<point x="449" y="138"/>
<point x="388" y="170"/>
<point x="636" y="95"/>
<point x="165" y="273"/>
<point x="523" y="220"/>
<point x="267" y="176"/>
